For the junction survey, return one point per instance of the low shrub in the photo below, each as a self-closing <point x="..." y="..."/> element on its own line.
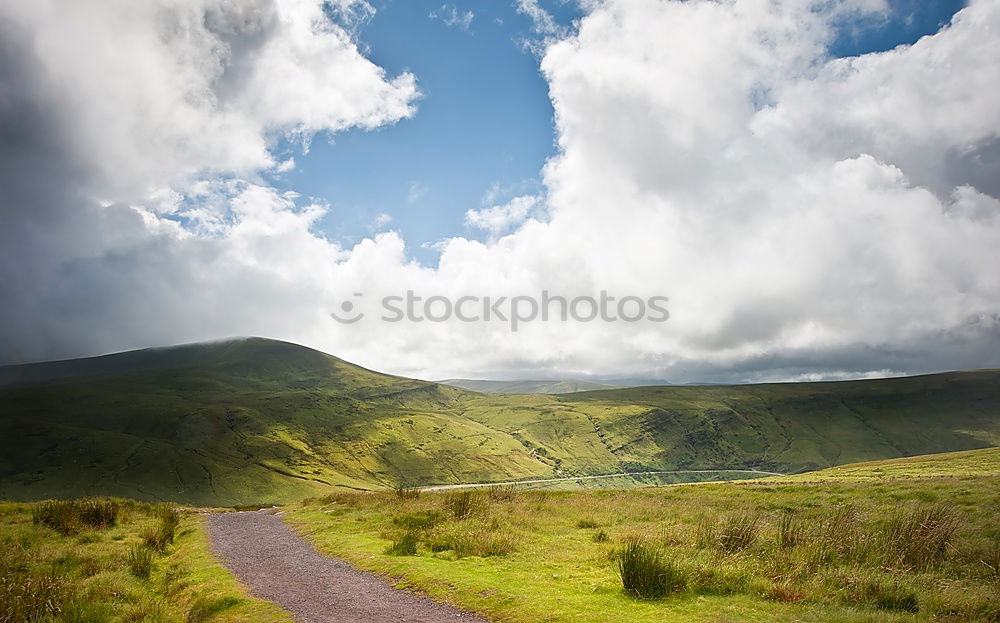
<point x="646" y="572"/>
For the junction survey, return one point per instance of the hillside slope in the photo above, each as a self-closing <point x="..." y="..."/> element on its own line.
<point x="241" y="421"/>
<point x="257" y="420"/>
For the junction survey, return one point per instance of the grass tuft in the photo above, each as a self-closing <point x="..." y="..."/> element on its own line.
<point x="502" y="493"/>
<point x="27" y="598"/>
<point x="646" y="572"/>
<point x="406" y="493"/>
<point x="162" y="535"/>
<point x="418" y="520"/>
<point x="705" y="534"/>
<point x="204" y="608"/>
<point x="470" y="539"/>
<point x="140" y="560"/>
<point x="461" y="503"/>
<point x="919" y="537"/>
<point x="405" y="545"/>
<point x="790" y="532"/>
<point x="738" y="533"/>
<point x="67" y="516"/>
<point x="886" y="593"/>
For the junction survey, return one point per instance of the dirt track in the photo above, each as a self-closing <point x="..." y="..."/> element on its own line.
<point x="279" y="566"/>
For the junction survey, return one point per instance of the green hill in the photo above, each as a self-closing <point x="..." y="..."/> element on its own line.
<point x="257" y="420"/>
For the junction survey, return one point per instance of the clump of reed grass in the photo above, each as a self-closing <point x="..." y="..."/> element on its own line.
<point x="140" y="560"/>
<point x="163" y="534"/>
<point x="646" y="572"/>
<point x="472" y="538"/>
<point x="405" y="545"/>
<point x="738" y="532"/>
<point x="502" y="493"/>
<point x="790" y="531"/>
<point x="884" y="592"/>
<point x="67" y="516"/>
<point x="30" y="598"/>
<point x="418" y="520"/>
<point x="206" y="607"/>
<point x="705" y="533"/>
<point x="406" y="493"/>
<point x="918" y="537"/>
<point x="461" y="503"/>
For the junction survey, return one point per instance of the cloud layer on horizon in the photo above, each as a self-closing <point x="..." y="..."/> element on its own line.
<point x="808" y="217"/>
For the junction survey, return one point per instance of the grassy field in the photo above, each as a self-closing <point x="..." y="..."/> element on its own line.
<point x="259" y="421"/>
<point x="97" y="561"/>
<point x="915" y="540"/>
<point x="971" y="463"/>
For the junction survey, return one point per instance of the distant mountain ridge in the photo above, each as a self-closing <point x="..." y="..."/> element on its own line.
<point x="558" y="386"/>
<point x="257" y="420"/>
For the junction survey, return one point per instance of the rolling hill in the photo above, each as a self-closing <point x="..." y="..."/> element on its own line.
<point x="256" y="420"/>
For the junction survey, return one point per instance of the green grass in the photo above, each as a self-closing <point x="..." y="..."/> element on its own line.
<point x="103" y="571"/>
<point x="983" y="462"/>
<point x="922" y="548"/>
<point x="252" y="421"/>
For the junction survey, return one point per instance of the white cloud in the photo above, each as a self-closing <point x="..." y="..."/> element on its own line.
<point x="381" y="220"/>
<point x="285" y="166"/>
<point x="416" y="191"/>
<point x="500" y="218"/>
<point x="166" y="91"/>
<point x="541" y="20"/>
<point x="808" y="218"/>
<point x="453" y="17"/>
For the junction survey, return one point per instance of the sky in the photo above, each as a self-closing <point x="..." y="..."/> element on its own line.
<point x="810" y="185"/>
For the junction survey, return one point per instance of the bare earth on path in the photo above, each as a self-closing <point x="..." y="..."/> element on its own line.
<point x="279" y="566"/>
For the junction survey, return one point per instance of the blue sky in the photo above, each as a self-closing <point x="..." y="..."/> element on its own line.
<point x="484" y="122"/>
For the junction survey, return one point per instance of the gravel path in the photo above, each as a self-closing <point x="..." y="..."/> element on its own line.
<point x="279" y="566"/>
